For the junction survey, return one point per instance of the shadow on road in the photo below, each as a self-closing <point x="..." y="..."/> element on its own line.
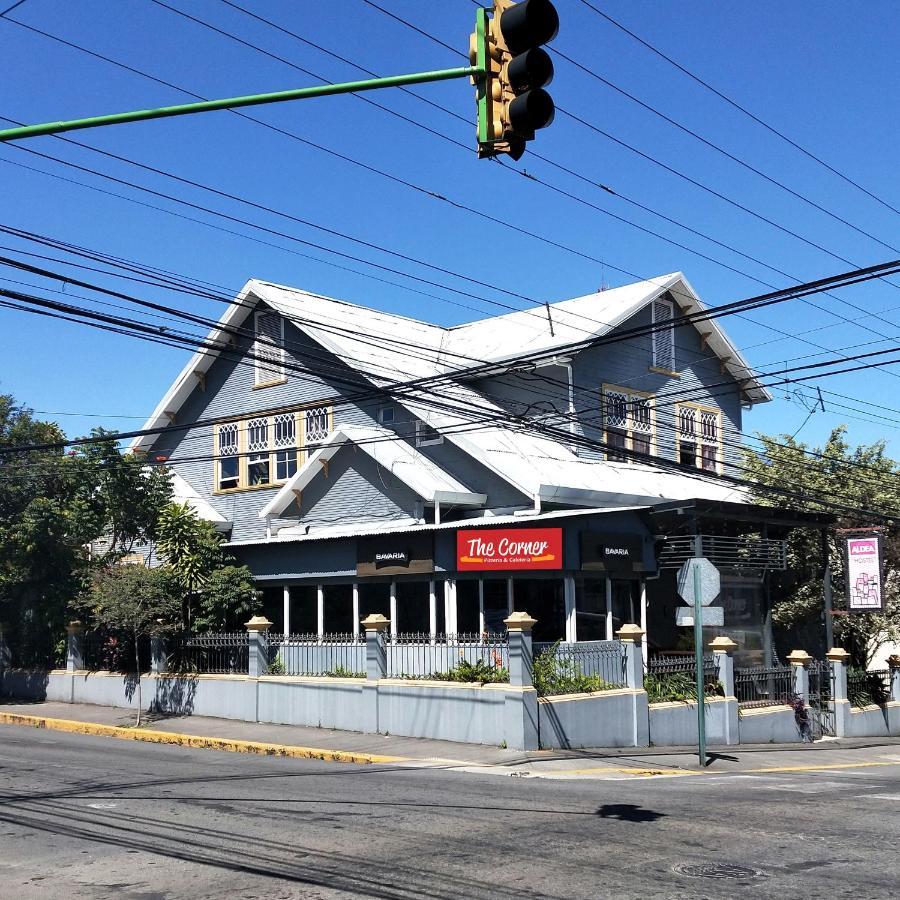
<point x="628" y="812"/>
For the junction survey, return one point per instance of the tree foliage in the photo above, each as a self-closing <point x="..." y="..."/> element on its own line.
<point x="866" y="483"/>
<point x="137" y="601"/>
<point x="61" y="515"/>
<point x="216" y="594"/>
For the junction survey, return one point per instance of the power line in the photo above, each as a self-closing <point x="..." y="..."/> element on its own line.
<point x="733" y="103"/>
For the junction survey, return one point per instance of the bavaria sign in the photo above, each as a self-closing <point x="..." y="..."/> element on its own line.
<point x="710" y="584"/>
<point x="484" y="549"/>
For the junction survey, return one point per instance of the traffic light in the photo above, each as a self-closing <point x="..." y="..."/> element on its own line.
<point x="506" y="48"/>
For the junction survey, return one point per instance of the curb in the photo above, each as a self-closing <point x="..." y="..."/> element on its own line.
<point x="194" y="741"/>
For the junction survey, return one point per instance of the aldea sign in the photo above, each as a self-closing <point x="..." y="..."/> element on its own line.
<point x="862" y="567"/>
<point x="484" y="549"/>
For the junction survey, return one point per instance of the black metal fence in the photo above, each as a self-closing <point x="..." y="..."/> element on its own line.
<point x="673" y="677"/>
<point x="107" y="651"/>
<point x="868" y="688"/>
<point x="420" y="655"/>
<point x="764" y="686"/>
<point x="337" y="655"/>
<point x="213" y="654"/>
<point x="605" y="659"/>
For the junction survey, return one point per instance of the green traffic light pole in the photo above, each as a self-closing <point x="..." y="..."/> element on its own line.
<point x="185" y="109"/>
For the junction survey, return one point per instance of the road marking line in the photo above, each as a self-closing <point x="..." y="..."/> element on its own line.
<point x="824" y="767"/>
<point x="195" y="741"/>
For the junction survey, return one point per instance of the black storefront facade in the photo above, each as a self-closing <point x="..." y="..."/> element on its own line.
<point x="609" y="569"/>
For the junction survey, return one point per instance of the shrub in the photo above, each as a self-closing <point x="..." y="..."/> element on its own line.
<point x="343" y="672"/>
<point x="276" y="667"/>
<point x="479" y="671"/>
<point x="555" y="675"/>
<point x="674" y="686"/>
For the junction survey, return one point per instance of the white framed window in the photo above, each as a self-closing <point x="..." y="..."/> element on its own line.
<point x="316" y="426"/>
<point x="426" y="436"/>
<point x="284" y="441"/>
<point x="258" y="462"/>
<point x="228" y="468"/>
<point x="628" y="421"/>
<point x="699" y="438"/>
<point x="268" y="348"/>
<point x="663" y="335"/>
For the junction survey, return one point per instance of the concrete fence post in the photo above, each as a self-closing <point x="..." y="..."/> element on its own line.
<point x="257" y="629"/>
<point x="74" y="646"/>
<point x="520" y="714"/>
<point x="893" y="666"/>
<point x="376" y="652"/>
<point x="521" y="657"/>
<point x="723" y="653"/>
<point x="840" y="661"/>
<point x="159" y="661"/>
<point x="799" y="660"/>
<point x="632" y="637"/>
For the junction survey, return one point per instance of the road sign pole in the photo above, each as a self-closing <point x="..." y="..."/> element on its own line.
<point x="701" y="681"/>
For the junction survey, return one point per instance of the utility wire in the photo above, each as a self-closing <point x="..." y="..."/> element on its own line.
<point x="734" y="104"/>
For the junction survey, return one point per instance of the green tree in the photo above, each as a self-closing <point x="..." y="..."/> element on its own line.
<point x="136" y="601"/>
<point x="227" y="600"/>
<point x="61" y="515"/>
<point x="216" y="594"/>
<point x="863" y="478"/>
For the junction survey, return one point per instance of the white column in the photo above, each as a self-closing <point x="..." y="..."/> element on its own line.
<point x="569" y="593"/>
<point x="393" y="607"/>
<point x="320" y="610"/>
<point x="450" y="616"/>
<point x="609" y="617"/>
<point x="481" y="605"/>
<point x="287" y="610"/>
<point x="432" y="610"/>
<point x="510" y="595"/>
<point x="644" y="620"/>
<point x="355" y="607"/>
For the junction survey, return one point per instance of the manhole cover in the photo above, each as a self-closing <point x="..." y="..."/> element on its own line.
<point x="717" y="870"/>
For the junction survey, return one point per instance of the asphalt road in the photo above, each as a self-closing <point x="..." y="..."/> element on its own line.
<point x="88" y="817"/>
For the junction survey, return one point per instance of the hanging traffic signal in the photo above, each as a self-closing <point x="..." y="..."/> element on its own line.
<point x="506" y="47"/>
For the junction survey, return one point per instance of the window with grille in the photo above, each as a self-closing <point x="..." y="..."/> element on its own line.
<point x="271" y="451"/>
<point x="628" y="423"/>
<point x="315" y="426"/>
<point x="663" y="335"/>
<point x="699" y="438"/>
<point x="268" y="348"/>
<point x="228" y="462"/>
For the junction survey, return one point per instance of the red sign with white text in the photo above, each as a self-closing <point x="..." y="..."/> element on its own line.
<point x="484" y="549"/>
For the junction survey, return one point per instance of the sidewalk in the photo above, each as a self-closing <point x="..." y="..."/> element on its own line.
<point x="353" y="747"/>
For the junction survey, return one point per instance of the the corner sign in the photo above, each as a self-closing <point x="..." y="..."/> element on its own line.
<point x="486" y="549"/>
<point x="862" y="569"/>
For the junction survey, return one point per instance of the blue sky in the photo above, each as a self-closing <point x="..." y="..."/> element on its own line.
<point x="825" y="74"/>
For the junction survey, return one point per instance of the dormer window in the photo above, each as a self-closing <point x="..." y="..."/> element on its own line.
<point x="663" y="336"/>
<point x="426" y="436"/>
<point x="268" y="348"/>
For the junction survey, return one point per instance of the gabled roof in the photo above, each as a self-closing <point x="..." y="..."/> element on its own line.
<point x="182" y="492"/>
<point x="416" y="471"/>
<point x="367" y="339"/>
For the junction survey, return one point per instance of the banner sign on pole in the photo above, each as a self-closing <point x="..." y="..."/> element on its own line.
<point x="863" y="573"/>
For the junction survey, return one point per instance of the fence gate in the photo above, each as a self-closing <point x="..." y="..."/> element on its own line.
<point x="821" y="693"/>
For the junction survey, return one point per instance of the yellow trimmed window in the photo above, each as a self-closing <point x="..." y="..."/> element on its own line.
<point x="267" y="449"/>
